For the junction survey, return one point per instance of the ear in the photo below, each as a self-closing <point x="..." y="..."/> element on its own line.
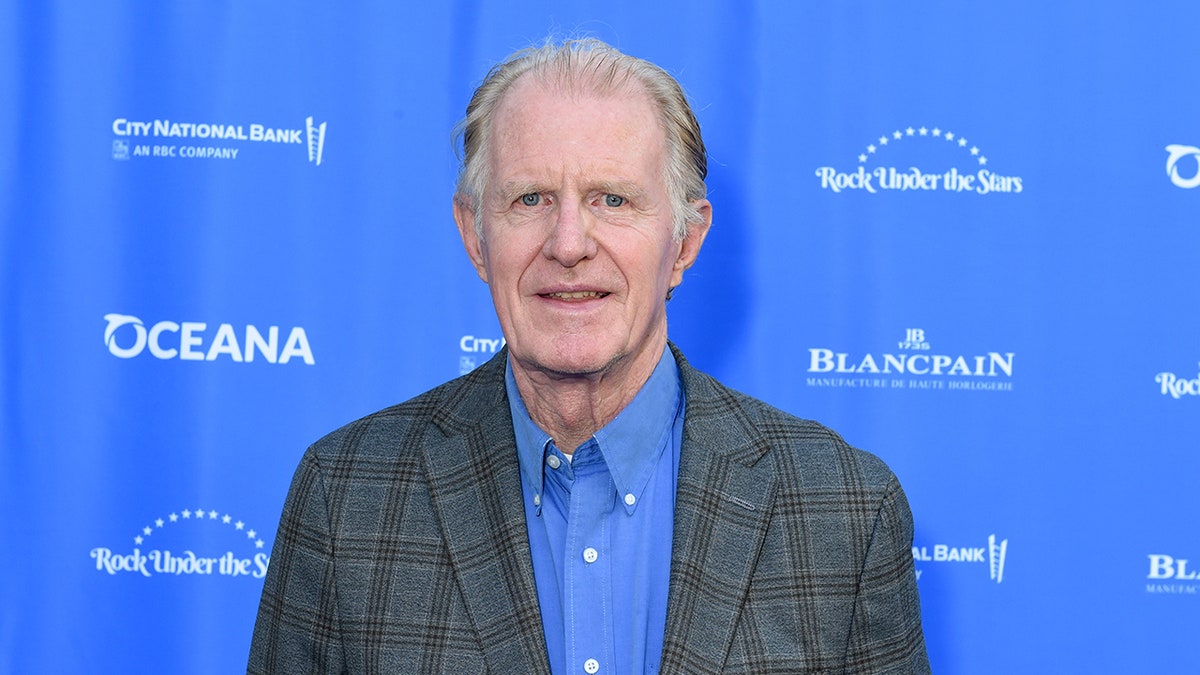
<point x="689" y="248"/>
<point x="464" y="216"/>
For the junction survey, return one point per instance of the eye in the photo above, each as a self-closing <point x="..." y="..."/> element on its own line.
<point x="614" y="201"/>
<point x="531" y="199"/>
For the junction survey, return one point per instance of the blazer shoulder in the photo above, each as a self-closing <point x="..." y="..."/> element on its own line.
<point x="403" y="426"/>
<point x="809" y="448"/>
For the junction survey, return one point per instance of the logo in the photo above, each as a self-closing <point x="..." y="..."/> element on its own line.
<point x="223" y="140"/>
<point x="994" y="555"/>
<point x="1166" y="573"/>
<point x="127" y="337"/>
<point x="966" y="175"/>
<point x="472" y="346"/>
<point x="1176" y="153"/>
<point x="244" y="556"/>
<point x="1177" y="386"/>
<point x="912" y="365"/>
<point x="316" y="140"/>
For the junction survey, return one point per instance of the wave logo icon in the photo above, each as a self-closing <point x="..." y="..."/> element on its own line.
<point x="116" y="321"/>
<point x="1174" y="154"/>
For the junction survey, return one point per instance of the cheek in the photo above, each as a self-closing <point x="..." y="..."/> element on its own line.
<point x="506" y="265"/>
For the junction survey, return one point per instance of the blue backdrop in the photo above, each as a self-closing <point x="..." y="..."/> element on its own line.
<point x="964" y="235"/>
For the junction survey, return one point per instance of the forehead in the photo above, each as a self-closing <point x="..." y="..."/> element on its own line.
<point x="543" y="126"/>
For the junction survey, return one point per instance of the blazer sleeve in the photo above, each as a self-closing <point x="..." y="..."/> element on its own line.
<point x="886" y="634"/>
<point x="297" y="629"/>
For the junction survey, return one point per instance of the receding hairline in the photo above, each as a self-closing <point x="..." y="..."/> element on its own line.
<point x="588" y="67"/>
<point x="627" y="91"/>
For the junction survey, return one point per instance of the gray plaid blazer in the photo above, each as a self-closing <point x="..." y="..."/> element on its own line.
<point x="402" y="547"/>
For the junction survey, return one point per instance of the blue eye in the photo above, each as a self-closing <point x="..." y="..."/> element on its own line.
<point x="531" y="199"/>
<point x="613" y="201"/>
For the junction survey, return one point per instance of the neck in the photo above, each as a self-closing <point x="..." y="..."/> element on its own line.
<point x="572" y="407"/>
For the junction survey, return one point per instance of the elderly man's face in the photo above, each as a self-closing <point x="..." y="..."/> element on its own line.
<point x="577" y="247"/>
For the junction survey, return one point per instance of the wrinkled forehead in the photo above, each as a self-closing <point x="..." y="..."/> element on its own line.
<point x="540" y="112"/>
<point x="575" y="85"/>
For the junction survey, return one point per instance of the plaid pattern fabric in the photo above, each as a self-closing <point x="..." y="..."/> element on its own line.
<point x="402" y="547"/>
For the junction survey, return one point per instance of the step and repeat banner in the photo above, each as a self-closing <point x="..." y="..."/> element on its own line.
<point x="966" y="236"/>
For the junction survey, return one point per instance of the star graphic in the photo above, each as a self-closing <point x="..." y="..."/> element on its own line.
<point x="962" y="142"/>
<point x="924" y="131"/>
<point x="982" y="160"/>
<point x="240" y="525"/>
<point x="937" y="131"/>
<point x="251" y="534"/>
<point x="199" y="513"/>
<point x="949" y="136"/>
<point x="975" y="150"/>
<point x="883" y="140"/>
<point x="258" y="544"/>
<point x="212" y="515"/>
<point x="896" y="135"/>
<point x="871" y="149"/>
<point x="146" y="531"/>
<point x="137" y="540"/>
<point x="862" y="158"/>
<point x="174" y="518"/>
<point x="158" y="523"/>
<point x="909" y="131"/>
<point x="226" y="519"/>
<point x="187" y="514"/>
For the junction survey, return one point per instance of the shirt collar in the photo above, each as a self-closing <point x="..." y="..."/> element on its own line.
<point x="631" y="444"/>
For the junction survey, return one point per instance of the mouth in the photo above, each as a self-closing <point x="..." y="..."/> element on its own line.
<point x="574" y="296"/>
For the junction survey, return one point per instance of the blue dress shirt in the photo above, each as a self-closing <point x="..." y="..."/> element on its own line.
<point x="600" y="526"/>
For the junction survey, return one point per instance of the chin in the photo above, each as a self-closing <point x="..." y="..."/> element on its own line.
<point x="568" y="357"/>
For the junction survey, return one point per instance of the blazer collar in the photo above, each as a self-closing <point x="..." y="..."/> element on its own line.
<point x="722" y="506"/>
<point x="475" y="488"/>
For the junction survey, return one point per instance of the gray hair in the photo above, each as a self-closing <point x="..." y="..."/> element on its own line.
<point x="593" y="63"/>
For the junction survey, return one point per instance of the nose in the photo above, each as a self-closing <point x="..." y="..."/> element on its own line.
<point x="570" y="239"/>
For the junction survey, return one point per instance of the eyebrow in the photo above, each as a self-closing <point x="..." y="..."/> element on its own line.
<point x="622" y="188"/>
<point x="511" y="189"/>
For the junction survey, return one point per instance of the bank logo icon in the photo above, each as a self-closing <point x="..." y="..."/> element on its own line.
<point x="120" y="149"/>
<point x="1176" y="153"/>
<point x="316" y="140"/>
<point x="997" y="552"/>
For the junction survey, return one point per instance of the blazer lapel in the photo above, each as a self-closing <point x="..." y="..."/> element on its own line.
<point x="722" y="508"/>
<point x="475" y="486"/>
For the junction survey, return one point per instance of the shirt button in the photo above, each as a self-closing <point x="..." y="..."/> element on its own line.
<point x="537" y="500"/>
<point x="554" y="461"/>
<point x="630" y="499"/>
<point x="589" y="556"/>
<point x="591" y="665"/>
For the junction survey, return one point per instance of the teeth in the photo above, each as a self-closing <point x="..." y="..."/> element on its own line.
<point x="577" y="295"/>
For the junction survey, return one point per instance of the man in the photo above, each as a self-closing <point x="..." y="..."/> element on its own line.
<point x="586" y="501"/>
